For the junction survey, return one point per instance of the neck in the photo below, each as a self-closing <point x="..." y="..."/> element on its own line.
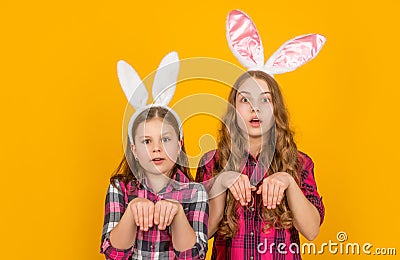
<point x="255" y="144"/>
<point x="157" y="181"/>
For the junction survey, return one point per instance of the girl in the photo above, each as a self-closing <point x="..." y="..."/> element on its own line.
<point x="153" y="209"/>
<point x="272" y="194"/>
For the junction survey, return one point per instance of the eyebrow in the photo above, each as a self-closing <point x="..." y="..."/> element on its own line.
<point x="246" y="92"/>
<point x="146" y="136"/>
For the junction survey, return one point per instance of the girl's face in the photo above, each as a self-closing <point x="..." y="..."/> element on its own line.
<point x="254" y="107"/>
<point x="156" y="146"/>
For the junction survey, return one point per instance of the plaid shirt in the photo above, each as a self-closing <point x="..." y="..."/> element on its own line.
<point x="251" y="242"/>
<point x="155" y="243"/>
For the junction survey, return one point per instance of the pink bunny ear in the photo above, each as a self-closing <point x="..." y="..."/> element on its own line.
<point x="244" y="40"/>
<point x="295" y="53"/>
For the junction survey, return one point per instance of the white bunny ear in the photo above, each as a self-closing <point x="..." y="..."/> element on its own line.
<point x="295" y="53"/>
<point x="164" y="84"/>
<point x="132" y="85"/>
<point x="244" y="40"/>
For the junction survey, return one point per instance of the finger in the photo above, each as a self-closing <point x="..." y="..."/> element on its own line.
<point x="157" y="214"/>
<point x="162" y="218"/>
<point x="234" y="192"/>
<point x="280" y="196"/>
<point x="276" y="194"/>
<point x="265" y="193"/>
<point x="145" y="217"/>
<point x="271" y="188"/>
<point x="260" y="189"/>
<point x="135" y="214"/>
<point x="172" y="215"/>
<point x="247" y="189"/>
<point x="168" y="211"/>
<point x="151" y="215"/>
<point x="242" y="192"/>
<point x="140" y="216"/>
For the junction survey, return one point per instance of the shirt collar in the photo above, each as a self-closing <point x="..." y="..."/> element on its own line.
<point x="250" y="156"/>
<point x="178" y="181"/>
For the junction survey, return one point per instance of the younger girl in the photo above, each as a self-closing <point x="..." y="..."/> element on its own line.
<point x="153" y="209"/>
<point x="272" y="194"/>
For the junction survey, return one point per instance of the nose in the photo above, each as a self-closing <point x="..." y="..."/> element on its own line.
<point x="156" y="148"/>
<point x="255" y="108"/>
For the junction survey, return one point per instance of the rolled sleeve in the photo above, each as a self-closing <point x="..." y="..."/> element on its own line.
<point x="205" y="169"/>
<point x="115" y="206"/>
<point x="111" y="252"/>
<point x="309" y="186"/>
<point x="197" y="215"/>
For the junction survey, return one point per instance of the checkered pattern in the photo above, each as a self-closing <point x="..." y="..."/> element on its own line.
<point x="155" y="243"/>
<point x="251" y="242"/>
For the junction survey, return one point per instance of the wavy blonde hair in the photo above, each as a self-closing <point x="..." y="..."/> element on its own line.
<point x="278" y="151"/>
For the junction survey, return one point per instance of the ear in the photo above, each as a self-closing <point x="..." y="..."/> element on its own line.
<point x="132" y="85"/>
<point x="180" y="144"/>
<point x="133" y="149"/>
<point x="244" y="40"/>
<point x="165" y="79"/>
<point x="295" y="53"/>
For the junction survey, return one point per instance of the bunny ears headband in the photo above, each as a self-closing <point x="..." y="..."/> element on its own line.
<point x="245" y="43"/>
<point x="164" y="86"/>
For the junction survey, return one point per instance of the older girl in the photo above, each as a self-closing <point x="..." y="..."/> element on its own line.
<point x="272" y="193"/>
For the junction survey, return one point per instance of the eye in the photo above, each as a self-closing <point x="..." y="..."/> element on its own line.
<point x="244" y="100"/>
<point x="146" y="141"/>
<point x="165" y="139"/>
<point x="266" y="100"/>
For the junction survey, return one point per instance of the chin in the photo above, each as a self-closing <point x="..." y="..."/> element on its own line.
<point x="254" y="133"/>
<point x="164" y="171"/>
<point x="155" y="172"/>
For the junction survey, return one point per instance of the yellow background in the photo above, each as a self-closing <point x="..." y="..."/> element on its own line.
<point x="62" y="108"/>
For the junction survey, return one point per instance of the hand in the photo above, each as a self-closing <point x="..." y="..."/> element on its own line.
<point x="273" y="188"/>
<point x="143" y="211"/>
<point x="239" y="185"/>
<point x="164" y="213"/>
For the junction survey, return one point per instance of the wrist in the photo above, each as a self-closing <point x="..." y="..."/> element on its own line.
<point x="219" y="182"/>
<point x="292" y="181"/>
<point x="227" y="179"/>
<point x="180" y="210"/>
<point x="129" y="213"/>
<point x="179" y="215"/>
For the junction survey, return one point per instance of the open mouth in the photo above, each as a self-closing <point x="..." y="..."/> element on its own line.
<point x="255" y="122"/>
<point x="158" y="160"/>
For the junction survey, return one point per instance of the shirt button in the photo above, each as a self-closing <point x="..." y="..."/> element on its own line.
<point x="251" y="234"/>
<point x="252" y="208"/>
<point x="251" y="257"/>
<point x="151" y="247"/>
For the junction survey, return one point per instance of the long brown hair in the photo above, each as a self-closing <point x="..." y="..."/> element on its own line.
<point x="129" y="169"/>
<point x="283" y="157"/>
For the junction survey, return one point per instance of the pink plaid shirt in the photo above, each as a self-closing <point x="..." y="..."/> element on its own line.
<point x="155" y="243"/>
<point x="251" y="242"/>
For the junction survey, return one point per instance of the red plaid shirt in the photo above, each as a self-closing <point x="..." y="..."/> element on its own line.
<point x="155" y="243"/>
<point x="251" y="242"/>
